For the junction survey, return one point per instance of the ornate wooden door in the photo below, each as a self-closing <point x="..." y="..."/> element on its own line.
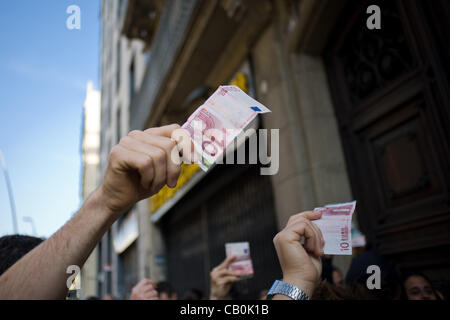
<point x="391" y="94"/>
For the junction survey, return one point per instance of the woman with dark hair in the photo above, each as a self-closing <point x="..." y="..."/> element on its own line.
<point x="417" y="286"/>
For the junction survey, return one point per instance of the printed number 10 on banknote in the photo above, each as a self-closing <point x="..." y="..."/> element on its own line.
<point x="336" y="225"/>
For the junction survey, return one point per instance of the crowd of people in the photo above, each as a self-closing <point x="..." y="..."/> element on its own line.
<point x="332" y="286"/>
<point x="139" y="166"/>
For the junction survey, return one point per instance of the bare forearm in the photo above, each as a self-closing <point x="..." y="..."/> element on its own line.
<point x="41" y="274"/>
<point x="139" y="166"/>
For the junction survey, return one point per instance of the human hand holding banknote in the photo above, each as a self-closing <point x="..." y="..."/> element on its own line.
<point x="300" y="264"/>
<point x="222" y="278"/>
<point x="139" y="166"/>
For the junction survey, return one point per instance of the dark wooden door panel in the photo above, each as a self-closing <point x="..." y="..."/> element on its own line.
<point x="404" y="154"/>
<point x="392" y="107"/>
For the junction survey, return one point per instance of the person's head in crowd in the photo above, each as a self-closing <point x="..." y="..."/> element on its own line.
<point x="192" y="294"/>
<point x="93" y="298"/>
<point x="108" y="297"/>
<point x="390" y="283"/>
<point x="417" y="286"/>
<point x="390" y="286"/>
<point x="14" y="247"/>
<point x="337" y="277"/>
<point x="166" y="291"/>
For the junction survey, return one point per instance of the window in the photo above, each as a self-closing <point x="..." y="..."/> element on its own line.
<point x="118" y="126"/>
<point x="147" y="56"/>
<point x="119" y="9"/>
<point x="118" y="58"/>
<point x="132" y="81"/>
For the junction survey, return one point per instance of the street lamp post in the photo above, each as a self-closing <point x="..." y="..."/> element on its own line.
<point x="31" y="221"/>
<point x="10" y="194"/>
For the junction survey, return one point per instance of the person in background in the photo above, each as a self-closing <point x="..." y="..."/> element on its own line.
<point x="144" y="290"/>
<point x="222" y="280"/>
<point x="360" y="263"/>
<point x="337" y="277"/>
<point x="417" y="286"/>
<point x="14" y="247"/>
<point x="357" y="273"/>
<point x="165" y="291"/>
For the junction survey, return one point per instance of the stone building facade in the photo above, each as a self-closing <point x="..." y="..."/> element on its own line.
<point x="363" y="114"/>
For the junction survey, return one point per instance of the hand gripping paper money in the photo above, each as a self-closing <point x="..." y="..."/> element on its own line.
<point x="216" y="123"/>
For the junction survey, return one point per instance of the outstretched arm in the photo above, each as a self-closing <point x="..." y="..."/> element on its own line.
<point x="139" y="166"/>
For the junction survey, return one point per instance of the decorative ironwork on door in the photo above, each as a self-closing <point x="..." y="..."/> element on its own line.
<point x="391" y="99"/>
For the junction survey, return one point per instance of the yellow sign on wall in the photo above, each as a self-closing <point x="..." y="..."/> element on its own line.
<point x="240" y="80"/>
<point x="166" y="193"/>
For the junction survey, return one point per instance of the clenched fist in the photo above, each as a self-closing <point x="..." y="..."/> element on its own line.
<point x="301" y="264"/>
<point x="139" y="166"/>
<point x="222" y="278"/>
<point x="144" y="290"/>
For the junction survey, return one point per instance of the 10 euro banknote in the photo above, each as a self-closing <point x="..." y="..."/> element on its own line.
<point x="336" y="226"/>
<point x="216" y="123"/>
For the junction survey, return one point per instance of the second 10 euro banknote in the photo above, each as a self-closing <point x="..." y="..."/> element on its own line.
<point x="243" y="264"/>
<point x="336" y="225"/>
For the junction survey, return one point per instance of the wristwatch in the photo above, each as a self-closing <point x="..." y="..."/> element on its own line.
<point x="287" y="289"/>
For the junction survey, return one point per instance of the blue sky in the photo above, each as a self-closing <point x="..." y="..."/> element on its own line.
<point x="44" y="69"/>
